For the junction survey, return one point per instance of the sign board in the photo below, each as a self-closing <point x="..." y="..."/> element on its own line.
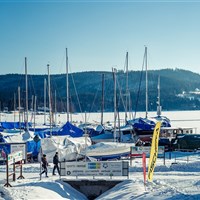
<point x="19" y="147"/>
<point x="8" y="148"/>
<point x="97" y="168"/>
<point x="14" y="157"/>
<point x="146" y="149"/>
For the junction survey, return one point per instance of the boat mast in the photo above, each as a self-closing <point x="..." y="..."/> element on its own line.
<point x="32" y="102"/>
<point x="146" y="82"/>
<point x="158" y="102"/>
<point x="35" y="111"/>
<point x="55" y="109"/>
<point x="19" y="108"/>
<point x="14" y="108"/>
<point x="115" y="102"/>
<point x="67" y="85"/>
<point x="32" y="107"/>
<point x="129" y="96"/>
<point x="102" y="103"/>
<point x="127" y="92"/>
<point x="26" y="120"/>
<point x="49" y="91"/>
<point x="45" y="106"/>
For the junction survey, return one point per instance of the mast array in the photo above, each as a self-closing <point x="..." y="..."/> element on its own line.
<point x="146" y="82"/>
<point x="49" y="91"/>
<point x="26" y="83"/>
<point x="115" y="101"/>
<point x="67" y="85"/>
<point x="158" y="102"/>
<point x="102" y="104"/>
<point x="45" y="106"/>
<point x="127" y="90"/>
<point x="19" y="105"/>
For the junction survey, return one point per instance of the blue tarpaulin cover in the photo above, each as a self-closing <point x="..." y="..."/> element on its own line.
<point x="12" y="125"/>
<point x="67" y="129"/>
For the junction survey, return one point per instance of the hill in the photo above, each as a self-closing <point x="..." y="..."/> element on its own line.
<point x="179" y="90"/>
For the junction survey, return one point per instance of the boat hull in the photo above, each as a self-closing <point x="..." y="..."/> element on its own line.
<point x="108" y="150"/>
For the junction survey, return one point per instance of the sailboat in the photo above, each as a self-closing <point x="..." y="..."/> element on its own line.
<point x="99" y="132"/>
<point x="107" y="150"/>
<point x="119" y="133"/>
<point x="15" y="127"/>
<point x="117" y="145"/>
<point x="144" y="127"/>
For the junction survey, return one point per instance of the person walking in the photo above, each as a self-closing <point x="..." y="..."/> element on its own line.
<point x="55" y="162"/>
<point x="44" y="165"/>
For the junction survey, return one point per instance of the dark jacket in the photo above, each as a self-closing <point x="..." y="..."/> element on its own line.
<point x="44" y="162"/>
<point x="55" y="160"/>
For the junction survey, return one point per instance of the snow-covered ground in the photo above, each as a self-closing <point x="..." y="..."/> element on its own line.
<point x="177" y="179"/>
<point x="170" y="181"/>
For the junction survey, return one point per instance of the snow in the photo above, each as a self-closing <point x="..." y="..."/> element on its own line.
<point x="107" y="148"/>
<point x="170" y="181"/>
<point x="179" y="178"/>
<point x="67" y="147"/>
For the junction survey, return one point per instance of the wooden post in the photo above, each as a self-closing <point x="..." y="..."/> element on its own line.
<point x="7" y="179"/>
<point x="12" y="162"/>
<point x="164" y="155"/>
<point x="14" y="175"/>
<point x="20" y="176"/>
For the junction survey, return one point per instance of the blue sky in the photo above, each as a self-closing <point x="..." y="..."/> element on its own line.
<point x="98" y="34"/>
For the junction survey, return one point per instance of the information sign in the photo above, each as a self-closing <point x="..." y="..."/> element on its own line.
<point x="98" y="168"/>
<point x="146" y="149"/>
<point x="14" y="157"/>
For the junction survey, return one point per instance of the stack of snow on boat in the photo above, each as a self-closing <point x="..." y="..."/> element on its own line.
<point x="68" y="141"/>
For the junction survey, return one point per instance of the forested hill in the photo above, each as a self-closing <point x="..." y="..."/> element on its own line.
<point x="178" y="90"/>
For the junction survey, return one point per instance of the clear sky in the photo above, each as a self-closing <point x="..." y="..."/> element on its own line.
<point x="98" y="34"/>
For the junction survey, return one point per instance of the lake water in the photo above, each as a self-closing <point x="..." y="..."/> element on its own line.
<point x="178" y="118"/>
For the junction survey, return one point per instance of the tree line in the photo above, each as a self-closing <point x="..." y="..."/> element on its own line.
<point x="85" y="90"/>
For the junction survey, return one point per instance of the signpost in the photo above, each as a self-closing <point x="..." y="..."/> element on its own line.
<point x="9" y="148"/>
<point x="139" y="150"/>
<point x="12" y="159"/>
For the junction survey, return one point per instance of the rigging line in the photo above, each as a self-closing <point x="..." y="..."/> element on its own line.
<point x="120" y="92"/>
<point x="93" y="103"/>
<point x="117" y="118"/>
<point x="30" y="87"/>
<point x="21" y="78"/>
<point x="56" y="86"/>
<point x="62" y="104"/>
<point x="22" y="71"/>
<point x="53" y="88"/>
<point x="62" y="62"/>
<point x="58" y="94"/>
<point x="30" y="78"/>
<point x="131" y="105"/>
<point x="138" y="93"/>
<point x="125" y="65"/>
<point x="76" y="93"/>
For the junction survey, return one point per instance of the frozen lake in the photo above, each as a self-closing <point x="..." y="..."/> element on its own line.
<point x="178" y="118"/>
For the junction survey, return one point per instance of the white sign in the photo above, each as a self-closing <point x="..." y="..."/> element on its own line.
<point x="97" y="168"/>
<point x="14" y="157"/>
<point x="18" y="147"/>
<point x="146" y="150"/>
